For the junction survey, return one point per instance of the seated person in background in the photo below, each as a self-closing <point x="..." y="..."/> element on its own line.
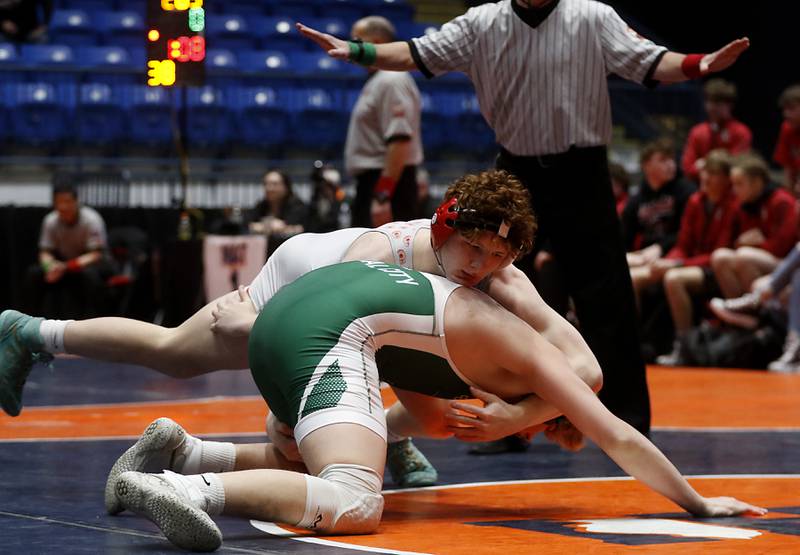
<point x="765" y="228"/>
<point x="70" y="276"/>
<point x="742" y="311"/>
<point x="787" y="151"/>
<point x="620" y="183"/>
<point x="652" y="216"/>
<point x="721" y="130"/>
<point x="281" y="214"/>
<point x="707" y="225"/>
<point x="326" y="200"/>
<point x="25" y="20"/>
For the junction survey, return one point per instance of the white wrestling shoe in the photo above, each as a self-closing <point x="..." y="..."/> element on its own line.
<point x="153" y="452"/>
<point x="157" y="499"/>
<point x="789" y="362"/>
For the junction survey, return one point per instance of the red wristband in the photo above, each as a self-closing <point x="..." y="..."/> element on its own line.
<point x="384" y="187"/>
<point x="691" y="66"/>
<point x="73" y="265"/>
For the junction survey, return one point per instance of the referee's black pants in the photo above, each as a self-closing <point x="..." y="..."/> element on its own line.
<point x="404" y="199"/>
<point x="574" y="204"/>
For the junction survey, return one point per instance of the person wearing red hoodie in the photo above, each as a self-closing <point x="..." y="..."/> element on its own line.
<point x="787" y="151"/>
<point x="707" y="225"/>
<point x="766" y="228"/>
<point x="721" y="130"/>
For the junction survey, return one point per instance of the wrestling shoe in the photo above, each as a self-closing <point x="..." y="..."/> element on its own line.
<point x="20" y="347"/>
<point x="408" y="466"/>
<point x="740" y="312"/>
<point x="156" y="450"/>
<point x="156" y="498"/>
<point x="673" y="358"/>
<point x="789" y="362"/>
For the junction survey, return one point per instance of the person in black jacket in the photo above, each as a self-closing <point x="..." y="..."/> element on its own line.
<point x="280" y="214"/>
<point x="652" y="217"/>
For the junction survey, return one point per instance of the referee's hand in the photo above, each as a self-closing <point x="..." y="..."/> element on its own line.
<point x="336" y="48"/>
<point x="725" y="56"/>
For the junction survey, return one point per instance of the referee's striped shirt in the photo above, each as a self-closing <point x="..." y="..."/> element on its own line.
<point x="541" y="87"/>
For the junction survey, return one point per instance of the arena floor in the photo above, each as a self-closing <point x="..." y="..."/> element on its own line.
<point x="736" y="432"/>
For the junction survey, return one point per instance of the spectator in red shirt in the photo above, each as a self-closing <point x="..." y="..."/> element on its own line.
<point x="765" y="229"/>
<point x="787" y="151"/>
<point x="707" y="224"/>
<point x="721" y="130"/>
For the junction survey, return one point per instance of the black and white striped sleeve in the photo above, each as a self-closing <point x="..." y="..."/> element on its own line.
<point x="449" y="49"/>
<point x="626" y="53"/>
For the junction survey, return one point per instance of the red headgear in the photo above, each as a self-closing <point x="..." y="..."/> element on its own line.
<point x="449" y="216"/>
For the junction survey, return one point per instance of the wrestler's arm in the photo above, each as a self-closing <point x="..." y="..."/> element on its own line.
<point x="521" y="351"/>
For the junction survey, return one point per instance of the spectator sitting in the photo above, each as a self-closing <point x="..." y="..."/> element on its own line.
<point x="280" y="215"/>
<point x="741" y="311"/>
<point x="787" y="151"/>
<point x="706" y="226"/>
<point x="326" y="200"/>
<point x="652" y="217"/>
<point x="620" y="183"/>
<point x="720" y="131"/>
<point x="69" y="279"/>
<point x="25" y="20"/>
<point x="765" y="228"/>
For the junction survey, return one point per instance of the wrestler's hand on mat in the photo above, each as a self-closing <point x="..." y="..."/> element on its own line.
<point x="728" y="506"/>
<point x="336" y="48"/>
<point x="494" y="420"/>
<point x="725" y="56"/>
<point x="234" y="317"/>
<point x="282" y="437"/>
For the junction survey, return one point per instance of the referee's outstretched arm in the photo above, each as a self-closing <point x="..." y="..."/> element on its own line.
<point x="672" y="68"/>
<point x="392" y="56"/>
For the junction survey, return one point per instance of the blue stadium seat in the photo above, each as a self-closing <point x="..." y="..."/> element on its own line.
<point x="89" y="6"/>
<point x="472" y="134"/>
<point x="396" y="11"/>
<point x="149" y="115"/>
<point x="434" y="120"/>
<point x="50" y="63"/>
<point x="72" y="27"/>
<point x="108" y="64"/>
<point x="5" y="110"/>
<point x="279" y="33"/>
<point x="299" y="10"/>
<point x="332" y="25"/>
<point x="124" y="29"/>
<point x="319" y="64"/>
<point x="270" y="61"/>
<point x="229" y="32"/>
<point x="10" y="64"/>
<point x="99" y="117"/>
<point x="243" y="7"/>
<point x="209" y="118"/>
<point x="408" y="30"/>
<point x="346" y="10"/>
<point x="263" y="120"/>
<point x="221" y="68"/>
<point x="318" y="121"/>
<point x="41" y="113"/>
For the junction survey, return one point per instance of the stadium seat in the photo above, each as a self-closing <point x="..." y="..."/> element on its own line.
<point x="125" y="29"/>
<point x="41" y="113"/>
<point x="230" y="32"/>
<point x="320" y="64"/>
<point x="299" y="10"/>
<point x="222" y="68"/>
<point x="208" y="115"/>
<point x="107" y="64"/>
<point x="72" y="28"/>
<point x="53" y="64"/>
<point x="318" y="121"/>
<point x="434" y="121"/>
<point x="472" y="132"/>
<point x="89" y="6"/>
<point x="10" y="64"/>
<point x="5" y="110"/>
<point x="99" y="117"/>
<point x="244" y="8"/>
<point x="347" y="10"/>
<point x="332" y="25"/>
<point x="408" y="30"/>
<point x="149" y="115"/>
<point x="263" y="120"/>
<point x="396" y="11"/>
<point x="279" y="33"/>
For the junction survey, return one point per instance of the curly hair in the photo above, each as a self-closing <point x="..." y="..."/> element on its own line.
<point x="498" y="196"/>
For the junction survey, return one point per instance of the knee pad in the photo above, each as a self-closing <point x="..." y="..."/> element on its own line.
<point x="343" y="499"/>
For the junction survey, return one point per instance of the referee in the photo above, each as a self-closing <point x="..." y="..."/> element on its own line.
<point x="383" y="146"/>
<point x="540" y="70"/>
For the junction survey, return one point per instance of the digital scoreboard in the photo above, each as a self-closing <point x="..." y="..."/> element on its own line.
<point x="176" y="43"/>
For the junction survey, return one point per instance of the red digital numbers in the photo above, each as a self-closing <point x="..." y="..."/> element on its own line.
<point x="186" y="49"/>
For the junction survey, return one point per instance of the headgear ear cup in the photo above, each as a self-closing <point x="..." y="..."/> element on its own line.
<point x="443" y="222"/>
